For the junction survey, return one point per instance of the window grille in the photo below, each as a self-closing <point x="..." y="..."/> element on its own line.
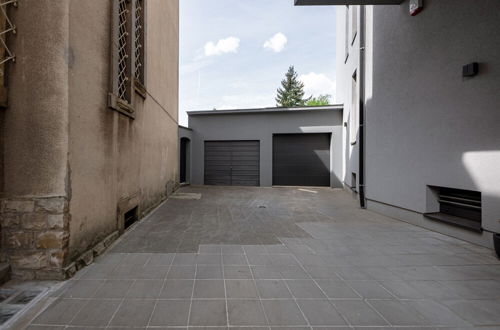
<point x="128" y="58"/>
<point x="123" y="57"/>
<point x="139" y="41"/>
<point x="6" y="27"/>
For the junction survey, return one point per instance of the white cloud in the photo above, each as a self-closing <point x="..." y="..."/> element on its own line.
<point x="318" y="83"/>
<point x="223" y="46"/>
<point x="277" y="43"/>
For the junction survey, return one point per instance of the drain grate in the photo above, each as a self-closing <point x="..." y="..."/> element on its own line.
<point x="7" y="312"/>
<point x="24" y="297"/>
<point x="6" y="294"/>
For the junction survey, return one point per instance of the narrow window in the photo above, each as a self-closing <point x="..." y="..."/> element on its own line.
<point x="354" y="23"/>
<point x="139" y="47"/>
<point x="128" y="57"/>
<point x="124" y="64"/>
<point x="347" y="34"/>
<point x="353" y="129"/>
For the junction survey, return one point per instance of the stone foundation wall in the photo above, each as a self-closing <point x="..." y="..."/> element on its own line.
<point x="35" y="234"/>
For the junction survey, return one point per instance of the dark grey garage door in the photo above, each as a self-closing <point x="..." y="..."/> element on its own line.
<point x="232" y="163"/>
<point x="301" y="159"/>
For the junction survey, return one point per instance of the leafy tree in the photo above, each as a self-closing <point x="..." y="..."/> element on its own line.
<point x="291" y="93"/>
<point x="323" y="99"/>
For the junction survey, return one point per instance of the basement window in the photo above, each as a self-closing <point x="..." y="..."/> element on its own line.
<point x="354" y="184"/>
<point x="457" y="207"/>
<point x="131" y="217"/>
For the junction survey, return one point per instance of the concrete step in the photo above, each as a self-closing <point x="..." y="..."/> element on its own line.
<point x="4" y="272"/>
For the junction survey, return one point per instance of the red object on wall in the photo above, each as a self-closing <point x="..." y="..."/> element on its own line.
<point x="416" y="6"/>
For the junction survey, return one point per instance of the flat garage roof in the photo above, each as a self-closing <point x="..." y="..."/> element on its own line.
<point x="336" y="107"/>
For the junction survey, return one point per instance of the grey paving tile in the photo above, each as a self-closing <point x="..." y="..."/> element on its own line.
<point x="96" y="313"/>
<point x="161" y="259"/>
<point x="359" y="313"/>
<point x="181" y="272"/>
<point x="246" y="313"/>
<point x="292" y="272"/>
<point x="370" y="290"/>
<point x="170" y="313"/>
<point x="237" y="272"/>
<point x="234" y="259"/>
<point x="304" y="289"/>
<point x="61" y="312"/>
<point x="477" y="312"/>
<point x="266" y="272"/>
<point x="209" y="259"/>
<point x="184" y="259"/>
<point x="209" y="289"/>
<point x="283" y="313"/>
<point x="133" y="313"/>
<point x="319" y="272"/>
<point x="142" y="289"/>
<point x="437" y="314"/>
<point x="81" y="288"/>
<point x="208" y="313"/>
<point x="232" y="249"/>
<point x="209" y="249"/>
<point x="241" y="289"/>
<point x="320" y="312"/>
<point x="209" y="272"/>
<point x="113" y="289"/>
<point x="398" y="313"/>
<point x="337" y="289"/>
<point x="177" y="289"/>
<point x="272" y="289"/>
<point x="43" y="327"/>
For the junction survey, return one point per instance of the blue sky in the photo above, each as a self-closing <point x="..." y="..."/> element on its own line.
<point x="234" y="53"/>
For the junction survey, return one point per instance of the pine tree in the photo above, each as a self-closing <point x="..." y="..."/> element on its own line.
<point x="291" y="93"/>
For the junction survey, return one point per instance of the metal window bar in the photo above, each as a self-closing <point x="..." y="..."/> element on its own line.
<point x="123" y="37"/>
<point x="7" y="27"/>
<point x="139" y="41"/>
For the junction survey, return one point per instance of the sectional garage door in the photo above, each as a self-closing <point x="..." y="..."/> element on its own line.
<point x="232" y="163"/>
<point x="301" y="159"/>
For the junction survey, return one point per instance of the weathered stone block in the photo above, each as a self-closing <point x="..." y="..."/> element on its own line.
<point x="29" y="260"/>
<point x="111" y="238"/>
<point x="56" y="258"/>
<point x="70" y="270"/>
<point x="10" y="220"/>
<point x="85" y="259"/>
<point x="18" y="240"/>
<point x="22" y="274"/>
<point x="51" y="240"/>
<point x="99" y="249"/>
<point x="56" y="221"/>
<point x="34" y="221"/>
<point x="53" y="205"/>
<point x="46" y="275"/>
<point x="19" y="206"/>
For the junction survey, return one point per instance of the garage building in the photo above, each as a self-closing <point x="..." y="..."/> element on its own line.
<point x="264" y="147"/>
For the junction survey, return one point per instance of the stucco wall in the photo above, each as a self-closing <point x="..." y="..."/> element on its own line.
<point x="426" y="124"/>
<point x="255" y="126"/>
<point x="36" y="120"/>
<point x="112" y="157"/>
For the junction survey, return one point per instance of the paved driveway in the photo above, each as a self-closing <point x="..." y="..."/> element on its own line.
<point x="279" y="258"/>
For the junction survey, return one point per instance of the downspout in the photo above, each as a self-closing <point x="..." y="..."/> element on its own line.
<point x="361" y="147"/>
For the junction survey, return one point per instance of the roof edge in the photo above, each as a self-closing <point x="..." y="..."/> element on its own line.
<point x="333" y="107"/>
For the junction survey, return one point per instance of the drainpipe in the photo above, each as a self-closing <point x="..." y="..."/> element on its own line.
<point x="362" y="125"/>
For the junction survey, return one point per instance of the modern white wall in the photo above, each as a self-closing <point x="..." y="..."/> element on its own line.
<point x="261" y="126"/>
<point x="347" y="62"/>
<point x="426" y="124"/>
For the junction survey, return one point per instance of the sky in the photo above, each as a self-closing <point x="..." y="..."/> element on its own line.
<point x="234" y="53"/>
